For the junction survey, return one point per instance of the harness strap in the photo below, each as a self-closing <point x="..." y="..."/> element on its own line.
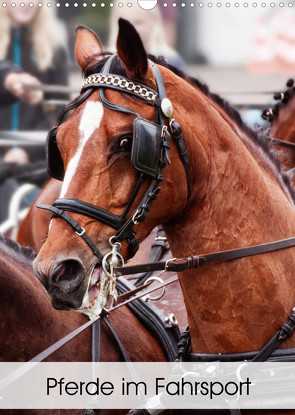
<point x="95" y="342"/>
<point x="133" y="196"/>
<point x="282" y="143"/>
<point x="284" y="333"/>
<point x="159" y="246"/>
<point x="117" y="340"/>
<point x="175" y="129"/>
<point x="95" y="357"/>
<point x="95" y="351"/>
<point x="196" y="261"/>
<point x="101" y="215"/>
<point x="154" y="320"/>
<point x="92" y="211"/>
<point x="279" y="355"/>
<point x="54" y="347"/>
<point x="73" y="104"/>
<point x="185" y="354"/>
<point x="182" y="151"/>
<point x="115" y="107"/>
<point x="75" y="226"/>
<point x="140" y="212"/>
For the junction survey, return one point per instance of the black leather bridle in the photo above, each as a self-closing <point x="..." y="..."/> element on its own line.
<point x="146" y="134"/>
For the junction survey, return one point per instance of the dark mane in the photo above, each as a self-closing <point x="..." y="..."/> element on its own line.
<point x="260" y="137"/>
<point x="21" y="253"/>
<point x="270" y="114"/>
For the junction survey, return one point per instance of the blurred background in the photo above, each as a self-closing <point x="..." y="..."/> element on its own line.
<point x="243" y="51"/>
<point x="233" y="46"/>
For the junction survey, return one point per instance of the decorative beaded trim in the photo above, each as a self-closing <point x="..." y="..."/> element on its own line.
<point x="122" y="83"/>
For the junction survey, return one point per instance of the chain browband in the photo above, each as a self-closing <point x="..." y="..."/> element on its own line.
<point x="119" y="82"/>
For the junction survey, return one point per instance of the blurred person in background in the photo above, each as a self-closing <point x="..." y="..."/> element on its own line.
<point x="149" y="25"/>
<point x="12" y="85"/>
<point x="33" y="51"/>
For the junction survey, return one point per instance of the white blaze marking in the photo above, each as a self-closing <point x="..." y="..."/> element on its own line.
<point x="89" y="122"/>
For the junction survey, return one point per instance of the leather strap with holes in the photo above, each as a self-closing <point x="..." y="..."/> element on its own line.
<point x="196" y="261"/>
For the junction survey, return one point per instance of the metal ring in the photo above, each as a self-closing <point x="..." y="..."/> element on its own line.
<point x="104" y="263"/>
<point x="148" y="297"/>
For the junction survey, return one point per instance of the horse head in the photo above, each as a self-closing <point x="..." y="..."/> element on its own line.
<point x="113" y="154"/>
<point x="123" y="157"/>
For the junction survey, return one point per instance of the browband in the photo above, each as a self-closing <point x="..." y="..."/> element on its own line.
<point x="119" y="82"/>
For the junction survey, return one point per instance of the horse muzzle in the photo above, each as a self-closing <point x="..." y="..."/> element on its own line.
<point x="66" y="282"/>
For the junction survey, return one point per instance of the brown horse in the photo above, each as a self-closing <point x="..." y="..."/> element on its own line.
<point x="33" y="233"/>
<point x="282" y="120"/>
<point x="236" y="197"/>
<point x="29" y="324"/>
<point x="34" y="228"/>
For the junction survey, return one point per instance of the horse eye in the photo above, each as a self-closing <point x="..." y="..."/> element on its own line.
<point x="125" y="144"/>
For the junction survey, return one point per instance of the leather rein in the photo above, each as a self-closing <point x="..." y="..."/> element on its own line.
<point x="123" y="300"/>
<point x="196" y="261"/>
<point x="268" y="352"/>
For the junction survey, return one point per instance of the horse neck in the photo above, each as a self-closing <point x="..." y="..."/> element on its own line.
<point x="22" y="295"/>
<point x="283" y="125"/>
<point x="283" y="128"/>
<point x="238" y="200"/>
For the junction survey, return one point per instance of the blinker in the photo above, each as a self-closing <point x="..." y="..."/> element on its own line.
<point x="145" y="154"/>
<point x="146" y="148"/>
<point x="55" y="166"/>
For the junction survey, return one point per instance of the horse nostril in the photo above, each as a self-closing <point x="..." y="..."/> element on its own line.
<point x="68" y="275"/>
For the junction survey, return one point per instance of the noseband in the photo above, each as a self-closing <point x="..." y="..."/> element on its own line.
<point x="149" y="155"/>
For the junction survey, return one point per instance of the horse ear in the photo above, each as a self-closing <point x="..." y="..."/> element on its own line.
<point x="87" y="48"/>
<point x="131" y="51"/>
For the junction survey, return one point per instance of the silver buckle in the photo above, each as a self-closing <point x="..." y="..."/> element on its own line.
<point x="167" y="262"/>
<point x="80" y="233"/>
